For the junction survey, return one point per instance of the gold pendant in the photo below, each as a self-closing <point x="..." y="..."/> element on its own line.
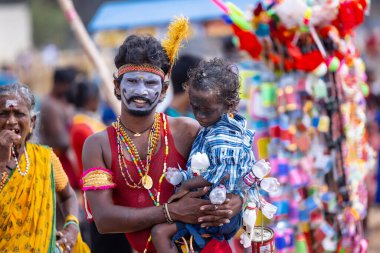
<point x="147" y="182"/>
<point x="137" y="135"/>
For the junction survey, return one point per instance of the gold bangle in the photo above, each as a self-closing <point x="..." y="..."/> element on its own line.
<point x="71" y="217"/>
<point x="168" y="218"/>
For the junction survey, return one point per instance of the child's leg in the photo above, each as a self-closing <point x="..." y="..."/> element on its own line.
<point x="162" y="237"/>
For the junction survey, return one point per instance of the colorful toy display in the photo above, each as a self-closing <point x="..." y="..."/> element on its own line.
<point x="305" y="89"/>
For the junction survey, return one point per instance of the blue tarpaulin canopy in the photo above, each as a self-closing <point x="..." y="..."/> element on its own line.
<point x="139" y="13"/>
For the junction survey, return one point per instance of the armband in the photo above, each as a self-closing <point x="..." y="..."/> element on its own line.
<point x="97" y="179"/>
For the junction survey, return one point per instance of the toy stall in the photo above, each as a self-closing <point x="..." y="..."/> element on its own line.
<point x="303" y="90"/>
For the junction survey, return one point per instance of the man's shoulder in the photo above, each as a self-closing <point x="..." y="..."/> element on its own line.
<point x="183" y="127"/>
<point x="99" y="138"/>
<point x="184" y="123"/>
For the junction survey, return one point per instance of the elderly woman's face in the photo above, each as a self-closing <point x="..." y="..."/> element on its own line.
<point x="16" y="116"/>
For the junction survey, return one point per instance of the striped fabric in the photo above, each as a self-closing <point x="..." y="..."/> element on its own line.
<point x="228" y="145"/>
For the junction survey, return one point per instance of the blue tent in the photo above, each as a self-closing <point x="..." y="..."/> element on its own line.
<point x="139" y="13"/>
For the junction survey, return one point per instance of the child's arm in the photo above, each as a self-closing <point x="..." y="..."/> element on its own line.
<point x="193" y="183"/>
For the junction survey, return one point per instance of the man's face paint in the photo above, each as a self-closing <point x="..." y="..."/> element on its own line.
<point x="140" y="92"/>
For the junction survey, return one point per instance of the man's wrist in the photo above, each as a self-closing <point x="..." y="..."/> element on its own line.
<point x="167" y="214"/>
<point x="171" y="208"/>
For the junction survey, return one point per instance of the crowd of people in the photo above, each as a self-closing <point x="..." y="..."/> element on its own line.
<point x="65" y="148"/>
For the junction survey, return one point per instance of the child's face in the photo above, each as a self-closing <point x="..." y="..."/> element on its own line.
<point x="207" y="108"/>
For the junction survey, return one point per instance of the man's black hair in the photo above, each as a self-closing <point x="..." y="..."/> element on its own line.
<point x="82" y="92"/>
<point x="179" y="74"/>
<point x="65" y="75"/>
<point x="142" y="49"/>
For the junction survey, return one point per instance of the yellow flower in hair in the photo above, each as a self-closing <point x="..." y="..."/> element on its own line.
<point x="178" y="30"/>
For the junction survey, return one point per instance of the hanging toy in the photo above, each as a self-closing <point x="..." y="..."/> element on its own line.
<point x="199" y="163"/>
<point x="333" y="64"/>
<point x="173" y="176"/>
<point x="218" y="195"/>
<point x="249" y="219"/>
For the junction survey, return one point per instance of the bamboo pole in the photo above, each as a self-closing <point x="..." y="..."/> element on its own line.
<point x="89" y="47"/>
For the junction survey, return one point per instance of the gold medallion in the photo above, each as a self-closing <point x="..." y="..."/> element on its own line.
<point x="147" y="182"/>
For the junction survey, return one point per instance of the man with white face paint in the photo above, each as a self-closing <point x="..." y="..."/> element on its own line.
<point x="124" y="165"/>
<point x="140" y="92"/>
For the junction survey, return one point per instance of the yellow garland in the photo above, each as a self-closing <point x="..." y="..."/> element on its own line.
<point x="178" y="30"/>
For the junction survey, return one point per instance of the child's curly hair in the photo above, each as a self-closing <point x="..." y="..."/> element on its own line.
<point x="218" y="76"/>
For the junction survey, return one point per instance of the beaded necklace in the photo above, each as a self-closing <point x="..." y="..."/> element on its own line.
<point x="122" y="137"/>
<point x="130" y="147"/>
<point x="162" y="175"/>
<point x="22" y="173"/>
<point x="4" y="179"/>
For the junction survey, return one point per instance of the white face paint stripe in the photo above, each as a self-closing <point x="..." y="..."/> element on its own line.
<point x="10" y="103"/>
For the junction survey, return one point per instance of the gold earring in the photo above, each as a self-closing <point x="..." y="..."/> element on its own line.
<point x="31" y="130"/>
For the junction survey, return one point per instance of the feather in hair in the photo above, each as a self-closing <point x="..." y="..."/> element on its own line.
<point x="178" y="30"/>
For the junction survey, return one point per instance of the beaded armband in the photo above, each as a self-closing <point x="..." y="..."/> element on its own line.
<point x="97" y="179"/>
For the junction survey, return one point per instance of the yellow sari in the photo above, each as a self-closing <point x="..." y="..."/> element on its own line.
<point x="27" y="205"/>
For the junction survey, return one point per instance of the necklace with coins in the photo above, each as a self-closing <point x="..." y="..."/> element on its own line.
<point x="123" y="139"/>
<point x="145" y="180"/>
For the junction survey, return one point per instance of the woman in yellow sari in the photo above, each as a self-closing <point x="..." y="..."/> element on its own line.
<point x="30" y="177"/>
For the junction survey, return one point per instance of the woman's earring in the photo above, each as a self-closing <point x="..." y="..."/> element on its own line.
<point x="30" y="130"/>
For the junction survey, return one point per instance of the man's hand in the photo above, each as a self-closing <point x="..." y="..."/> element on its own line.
<point x="182" y="191"/>
<point x="218" y="215"/>
<point x="187" y="209"/>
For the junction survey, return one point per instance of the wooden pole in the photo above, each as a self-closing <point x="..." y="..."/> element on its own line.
<point x="89" y="47"/>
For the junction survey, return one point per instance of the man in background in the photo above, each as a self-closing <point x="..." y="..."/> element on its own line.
<point x="180" y="104"/>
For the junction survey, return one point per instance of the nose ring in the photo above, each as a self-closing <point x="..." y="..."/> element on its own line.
<point x="7" y="122"/>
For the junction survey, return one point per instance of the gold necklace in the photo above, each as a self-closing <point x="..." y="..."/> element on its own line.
<point x="122" y="137"/>
<point x="135" y="134"/>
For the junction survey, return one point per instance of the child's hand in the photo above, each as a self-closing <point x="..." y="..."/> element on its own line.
<point x="176" y="196"/>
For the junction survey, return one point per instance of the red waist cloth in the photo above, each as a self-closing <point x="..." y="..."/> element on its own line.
<point x="215" y="246"/>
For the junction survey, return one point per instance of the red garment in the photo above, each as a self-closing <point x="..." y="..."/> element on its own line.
<point x="78" y="135"/>
<point x="69" y="169"/>
<point x="350" y="15"/>
<point x="248" y="42"/>
<point x="82" y="127"/>
<point x="215" y="246"/>
<point x="125" y="196"/>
